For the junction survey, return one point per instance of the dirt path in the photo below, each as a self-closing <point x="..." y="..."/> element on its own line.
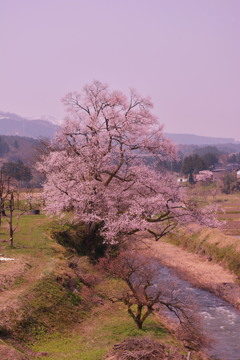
<point x="199" y="271"/>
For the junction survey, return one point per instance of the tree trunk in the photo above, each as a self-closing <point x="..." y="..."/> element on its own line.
<point x="11" y="209"/>
<point x="2" y="210"/>
<point x="140" y="325"/>
<point x="93" y="241"/>
<point x="137" y="317"/>
<point x="90" y="237"/>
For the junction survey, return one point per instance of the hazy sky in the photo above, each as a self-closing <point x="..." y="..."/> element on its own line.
<point x="184" y="54"/>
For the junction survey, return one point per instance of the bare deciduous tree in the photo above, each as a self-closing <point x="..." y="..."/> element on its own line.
<point x="144" y="289"/>
<point x="10" y="203"/>
<point x="5" y="186"/>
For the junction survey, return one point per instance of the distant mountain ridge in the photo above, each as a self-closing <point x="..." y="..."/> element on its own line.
<point x="13" y="124"/>
<point x="190" y="139"/>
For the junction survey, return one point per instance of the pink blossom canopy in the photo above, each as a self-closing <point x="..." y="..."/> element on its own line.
<point x="98" y="167"/>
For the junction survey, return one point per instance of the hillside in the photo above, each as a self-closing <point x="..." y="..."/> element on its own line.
<point x="191" y="139"/>
<point x="13" y="124"/>
<point x="14" y="148"/>
<point x="52" y="308"/>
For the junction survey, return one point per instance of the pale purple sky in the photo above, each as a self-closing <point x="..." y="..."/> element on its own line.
<point x="184" y="54"/>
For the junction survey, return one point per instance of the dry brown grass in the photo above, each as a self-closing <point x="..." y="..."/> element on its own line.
<point x="9" y="353"/>
<point x="143" y="348"/>
<point x="12" y="272"/>
<point x="198" y="269"/>
<point x="217" y="237"/>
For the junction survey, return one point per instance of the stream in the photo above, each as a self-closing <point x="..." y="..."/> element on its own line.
<point x="220" y="320"/>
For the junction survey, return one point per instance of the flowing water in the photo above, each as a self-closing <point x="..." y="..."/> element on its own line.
<point x="221" y="321"/>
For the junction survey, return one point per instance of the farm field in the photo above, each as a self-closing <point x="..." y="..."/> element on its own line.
<point x="231" y="213"/>
<point x="229" y="206"/>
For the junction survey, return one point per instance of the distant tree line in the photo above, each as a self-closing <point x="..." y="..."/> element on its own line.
<point x="4" y="148"/>
<point x="17" y="170"/>
<point x="202" y="159"/>
<point x="194" y="163"/>
<point x="234" y="158"/>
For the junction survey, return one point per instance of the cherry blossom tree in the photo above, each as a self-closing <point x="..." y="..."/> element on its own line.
<point x="97" y="168"/>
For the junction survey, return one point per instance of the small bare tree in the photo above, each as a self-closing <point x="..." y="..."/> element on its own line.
<point x="10" y="203"/>
<point x="5" y="186"/>
<point x="13" y="205"/>
<point x="144" y="290"/>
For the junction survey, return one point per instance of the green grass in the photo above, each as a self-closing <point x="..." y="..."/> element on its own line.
<point x="227" y="254"/>
<point x="98" y="331"/>
<point x="95" y="336"/>
<point x="49" y="306"/>
<point x="59" y="321"/>
<point x="31" y="237"/>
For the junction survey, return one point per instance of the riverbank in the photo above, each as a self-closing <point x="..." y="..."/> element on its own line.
<point x="197" y="269"/>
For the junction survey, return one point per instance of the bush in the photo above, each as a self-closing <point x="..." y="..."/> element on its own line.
<point x="230" y="183"/>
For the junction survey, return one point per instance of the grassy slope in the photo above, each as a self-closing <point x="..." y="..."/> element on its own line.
<point x="55" y="321"/>
<point x="95" y="336"/>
